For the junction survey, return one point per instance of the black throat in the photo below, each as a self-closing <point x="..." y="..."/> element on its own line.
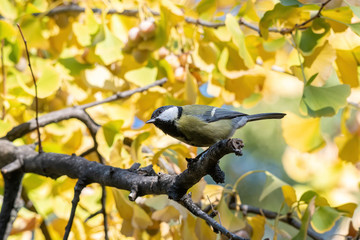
<point x="169" y="127"/>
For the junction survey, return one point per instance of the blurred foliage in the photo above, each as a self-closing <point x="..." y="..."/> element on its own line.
<point x="312" y="73"/>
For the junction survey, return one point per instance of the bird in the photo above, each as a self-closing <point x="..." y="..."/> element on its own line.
<point x="202" y="125"/>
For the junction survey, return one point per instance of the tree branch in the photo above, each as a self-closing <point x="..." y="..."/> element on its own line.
<point x="139" y="181"/>
<point x="272" y="215"/>
<point x="134" y="13"/>
<point x="35" y="88"/>
<point x="194" y="209"/>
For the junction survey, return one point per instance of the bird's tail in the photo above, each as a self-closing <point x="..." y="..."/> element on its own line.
<point x="261" y="116"/>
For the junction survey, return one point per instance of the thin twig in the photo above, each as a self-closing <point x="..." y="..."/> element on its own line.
<point x="35" y="86"/>
<point x="273" y="215"/>
<point x="3" y="77"/>
<point x="124" y="94"/>
<point x="80" y="185"/>
<point x="190" y="20"/>
<point x="302" y="25"/>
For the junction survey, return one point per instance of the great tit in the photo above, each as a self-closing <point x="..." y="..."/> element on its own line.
<point x="202" y="125"/>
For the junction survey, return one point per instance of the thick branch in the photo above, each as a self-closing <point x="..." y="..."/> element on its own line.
<point x="139" y="181"/>
<point x="203" y="165"/>
<point x="53" y="117"/>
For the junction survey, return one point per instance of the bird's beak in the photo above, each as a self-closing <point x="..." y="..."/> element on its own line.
<point x="150" y="121"/>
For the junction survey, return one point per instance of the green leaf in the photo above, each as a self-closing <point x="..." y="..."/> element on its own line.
<point x="324" y="218"/>
<point x="279" y="12"/>
<point x="136" y="150"/>
<point x="355" y="9"/>
<point x="305" y="220"/>
<point x="275" y="44"/>
<point x="355" y="27"/>
<point x="109" y="50"/>
<point x="307" y="196"/>
<point x="206" y="9"/>
<point x="112" y="130"/>
<point x="324" y="101"/>
<point x="271" y="184"/>
<point x="291" y="3"/>
<point x="313" y="36"/>
<point x="311" y="79"/>
<point x="238" y="38"/>
<point x="142" y="76"/>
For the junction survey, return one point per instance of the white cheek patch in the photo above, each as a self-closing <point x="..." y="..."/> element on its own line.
<point x="169" y="114"/>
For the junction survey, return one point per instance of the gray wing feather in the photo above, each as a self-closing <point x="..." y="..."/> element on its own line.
<point x="216" y="114"/>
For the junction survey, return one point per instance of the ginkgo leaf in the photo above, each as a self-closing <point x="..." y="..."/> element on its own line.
<point x="109" y="50"/>
<point x="347" y="66"/>
<point x="228" y="219"/>
<point x="47" y="83"/>
<point x="238" y="38"/>
<point x="324" y="219"/>
<point x="206" y="9"/>
<point x="314" y="36"/>
<point x="302" y="133"/>
<point x="6" y="30"/>
<point x="324" y="101"/>
<point x="272" y="183"/>
<point x="305" y="221"/>
<point x="191" y="88"/>
<point x="142" y="76"/>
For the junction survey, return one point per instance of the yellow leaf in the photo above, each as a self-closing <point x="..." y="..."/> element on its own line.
<point x="191" y="88"/>
<point x="230" y="64"/>
<point x="228" y="219"/>
<point x="320" y="61"/>
<point x="238" y="38"/>
<point x="47" y="83"/>
<point x="222" y="34"/>
<point x="140" y="218"/>
<point x="347" y="67"/>
<point x="347" y="40"/>
<point x="197" y="190"/>
<point x="349" y="147"/>
<point x="243" y="87"/>
<point x="258" y="226"/>
<point x="189" y="227"/>
<point x="203" y="230"/>
<point x="205" y="56"/>
<point x="142" y="76"/>
<point x="289" y="195"/>
<point x="109" y="49"/>
<point x="123" y="205"/>
<point x="303" y="134"/>
<point x="166" y="215"/>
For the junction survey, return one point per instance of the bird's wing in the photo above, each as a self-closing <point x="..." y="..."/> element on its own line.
<point x="216" y="114"/>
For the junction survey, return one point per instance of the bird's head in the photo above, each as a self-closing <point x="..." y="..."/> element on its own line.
<point x="165" y="114"/>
